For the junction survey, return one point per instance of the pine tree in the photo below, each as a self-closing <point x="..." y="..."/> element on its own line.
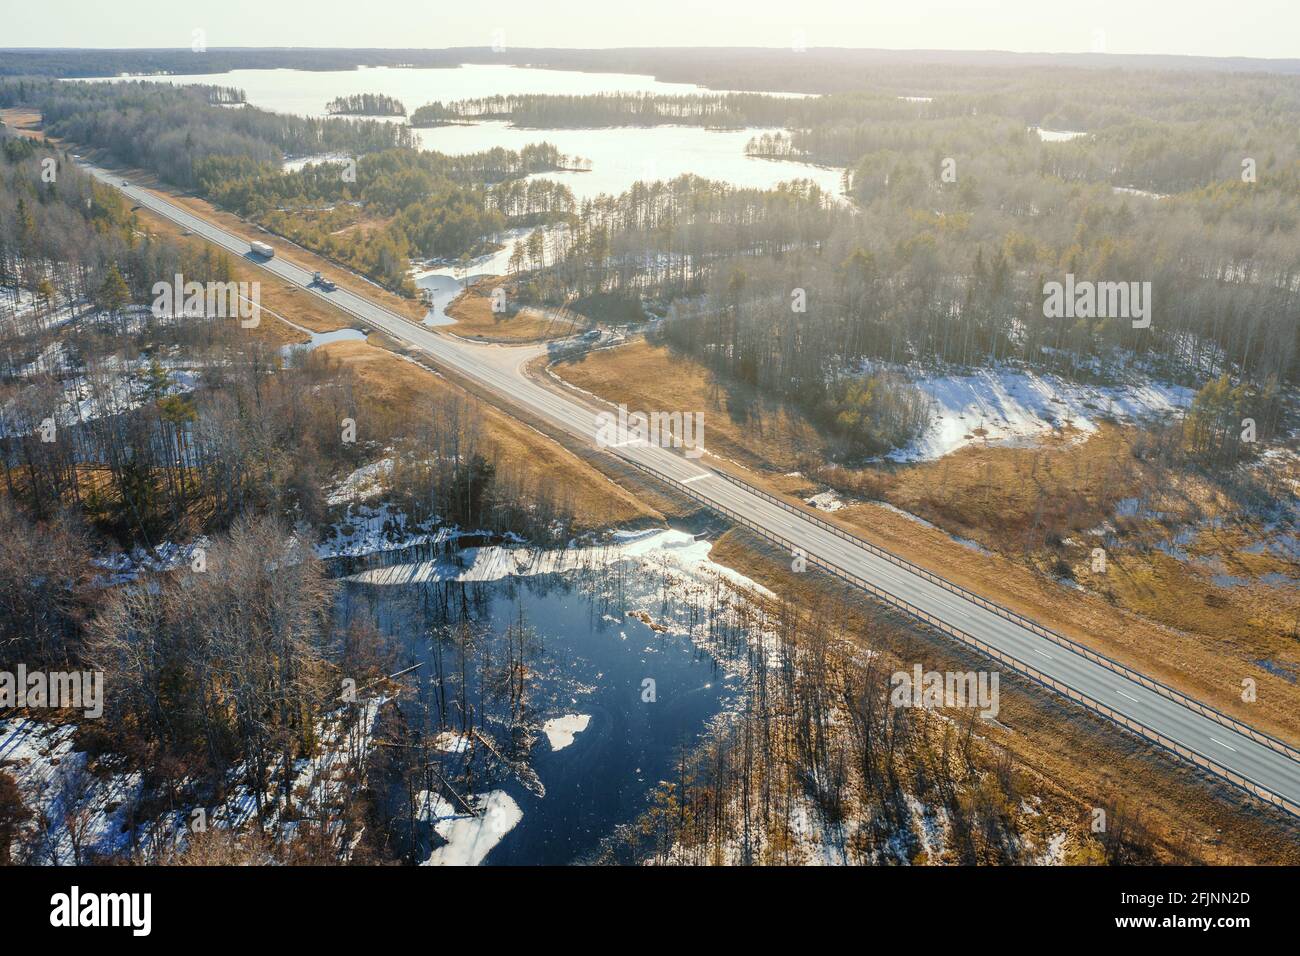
<point x="113" y="293"/>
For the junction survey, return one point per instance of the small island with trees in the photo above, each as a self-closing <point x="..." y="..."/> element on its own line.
<point x="365" y="104"/>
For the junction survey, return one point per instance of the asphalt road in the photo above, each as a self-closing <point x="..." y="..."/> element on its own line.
<point x="498" y="368"/>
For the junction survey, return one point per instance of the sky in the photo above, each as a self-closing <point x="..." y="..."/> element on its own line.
<point x="1259" y="28"/>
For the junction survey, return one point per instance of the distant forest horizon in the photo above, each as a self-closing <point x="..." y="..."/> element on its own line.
<point x="754" y="68"/>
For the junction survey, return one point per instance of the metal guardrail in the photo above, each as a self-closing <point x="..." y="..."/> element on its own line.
<point x="1017" y="665"/>
<point x="1109" y="663"/>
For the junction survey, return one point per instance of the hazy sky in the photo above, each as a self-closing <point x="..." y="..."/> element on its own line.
<point x="1259" y="28"/>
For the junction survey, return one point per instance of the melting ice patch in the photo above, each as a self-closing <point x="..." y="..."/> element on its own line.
<point x="676" y="548"/>
<point x="560" y="731"/>
<point x="470" y="838"/>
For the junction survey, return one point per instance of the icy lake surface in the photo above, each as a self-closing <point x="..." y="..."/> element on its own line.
<point x="620" y="156"/>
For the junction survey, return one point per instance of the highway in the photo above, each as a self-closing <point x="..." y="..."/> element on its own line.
<point x="1223" y="746"/>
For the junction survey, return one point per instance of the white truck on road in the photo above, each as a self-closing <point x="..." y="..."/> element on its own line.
<point x="261" y="249"/>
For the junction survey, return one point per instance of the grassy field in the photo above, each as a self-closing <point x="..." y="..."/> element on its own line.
<point x="23" y="122"/>
<point x="739" y="424"/>
<point x="472" y="310"/>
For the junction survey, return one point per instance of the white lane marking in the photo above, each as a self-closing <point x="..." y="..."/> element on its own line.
<point x="1041" y="654"/>
<point x="630" y="441"/>
<point x="1222" y="744"/>
<point x="703" y="474"/>
<point x="1129" y="696"/>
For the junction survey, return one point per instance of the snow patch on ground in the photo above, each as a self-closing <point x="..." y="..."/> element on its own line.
<point x="121" y="388"/>
<point x="1013" y="405"/>
<point x="449" y="742"/>
<point x="366" y="482"/>
<point x="90" y="807"/>
<point x="121" y="567"/>
<point x="826" y="501"/>
<point x="73" y="806"/>
<point x="368" y="530"/>
<point x="1054" y="855"/>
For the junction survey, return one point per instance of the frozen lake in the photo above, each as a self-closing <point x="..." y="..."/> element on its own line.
<point x="306" y="92"/>
<point x="620" y="156"/>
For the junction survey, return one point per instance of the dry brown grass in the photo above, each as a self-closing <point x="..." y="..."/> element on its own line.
<point x="24" y="122"/>
<point x="390" y="380"/>
<point x="1033" y="507"/>
<point x="365" y="224"/>
<point x="472" y="310"/>
<point x="1207" y="663"/>
<point x="738" y="423"/>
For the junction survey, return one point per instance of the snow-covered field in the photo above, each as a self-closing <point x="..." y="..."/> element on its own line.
<point x="1010" y="405"/>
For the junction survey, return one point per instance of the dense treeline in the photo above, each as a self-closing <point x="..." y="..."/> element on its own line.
<point x="1167" y="144"/>
<point x="171" y="129"/>
<point x="228" y="669"/>
<point x="432" y="114"/>
<point x="144" y="461"/>
<point x="366" y="104"/>
<point x="58" y="239"/>
<point x="393" y="206"/>
<point x="907" y="287"/>
<point x="532" y="201"/>
<point x="626" y="109"/>
<point x="903" y="72"/>
<point x="88" y="63"/>
<point x="76" y="274"/>
<point x="374" y="213"/>
<point x="658" y="237"/>
<point x="813" y="70"/>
